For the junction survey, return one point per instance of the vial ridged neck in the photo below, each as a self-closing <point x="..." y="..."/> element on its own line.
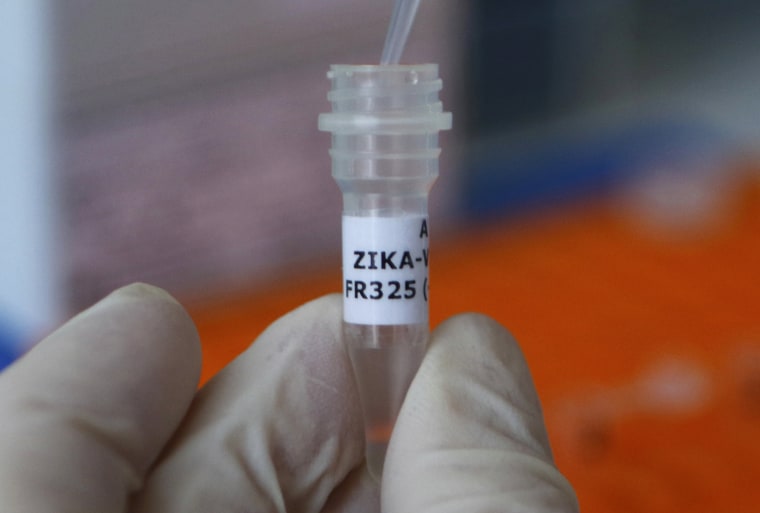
<point x="385" y="100"/>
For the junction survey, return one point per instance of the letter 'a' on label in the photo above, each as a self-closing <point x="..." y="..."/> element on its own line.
<point x="385" y="270"/>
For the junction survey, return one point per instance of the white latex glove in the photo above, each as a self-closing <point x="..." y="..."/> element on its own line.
<point x="103" y="416"/>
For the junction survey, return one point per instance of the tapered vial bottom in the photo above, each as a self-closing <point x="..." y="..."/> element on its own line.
<point x="385" y="360"/>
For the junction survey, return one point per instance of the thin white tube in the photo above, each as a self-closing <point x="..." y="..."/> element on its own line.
<point x="402" y="20"/>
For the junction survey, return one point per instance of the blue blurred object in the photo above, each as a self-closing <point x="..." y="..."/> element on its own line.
<point x="9" y="340"/>
<point x="506" y="178"/>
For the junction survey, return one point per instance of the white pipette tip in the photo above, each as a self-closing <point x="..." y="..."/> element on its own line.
<point x="402" y="20"/>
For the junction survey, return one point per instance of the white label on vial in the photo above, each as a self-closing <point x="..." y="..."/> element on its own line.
<point x="385" y="270"/>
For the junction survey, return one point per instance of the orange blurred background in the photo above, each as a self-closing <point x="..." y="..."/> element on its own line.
<point x="645" y="350"/>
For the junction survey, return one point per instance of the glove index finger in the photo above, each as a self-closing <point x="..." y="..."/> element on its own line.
<point x="471" y="436"/>
<point x="87" y="411"/>
<point x="279" y="429"/>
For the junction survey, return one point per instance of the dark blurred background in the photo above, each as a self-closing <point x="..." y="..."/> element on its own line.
<point x="603" y="169"/>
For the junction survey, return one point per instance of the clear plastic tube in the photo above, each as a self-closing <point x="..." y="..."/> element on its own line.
<point x="384" y="123"/>
<point x="402" y="19"/>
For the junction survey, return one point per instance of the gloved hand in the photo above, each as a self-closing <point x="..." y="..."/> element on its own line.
<point x="103" y="416"/>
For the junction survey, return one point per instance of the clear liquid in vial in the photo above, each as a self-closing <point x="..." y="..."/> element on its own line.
<point x="385" y="360"/>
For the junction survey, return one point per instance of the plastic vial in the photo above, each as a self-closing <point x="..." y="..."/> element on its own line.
<point x="384" y="123"/>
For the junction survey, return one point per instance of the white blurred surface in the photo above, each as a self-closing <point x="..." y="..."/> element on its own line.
<point x="29" y="295"/>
